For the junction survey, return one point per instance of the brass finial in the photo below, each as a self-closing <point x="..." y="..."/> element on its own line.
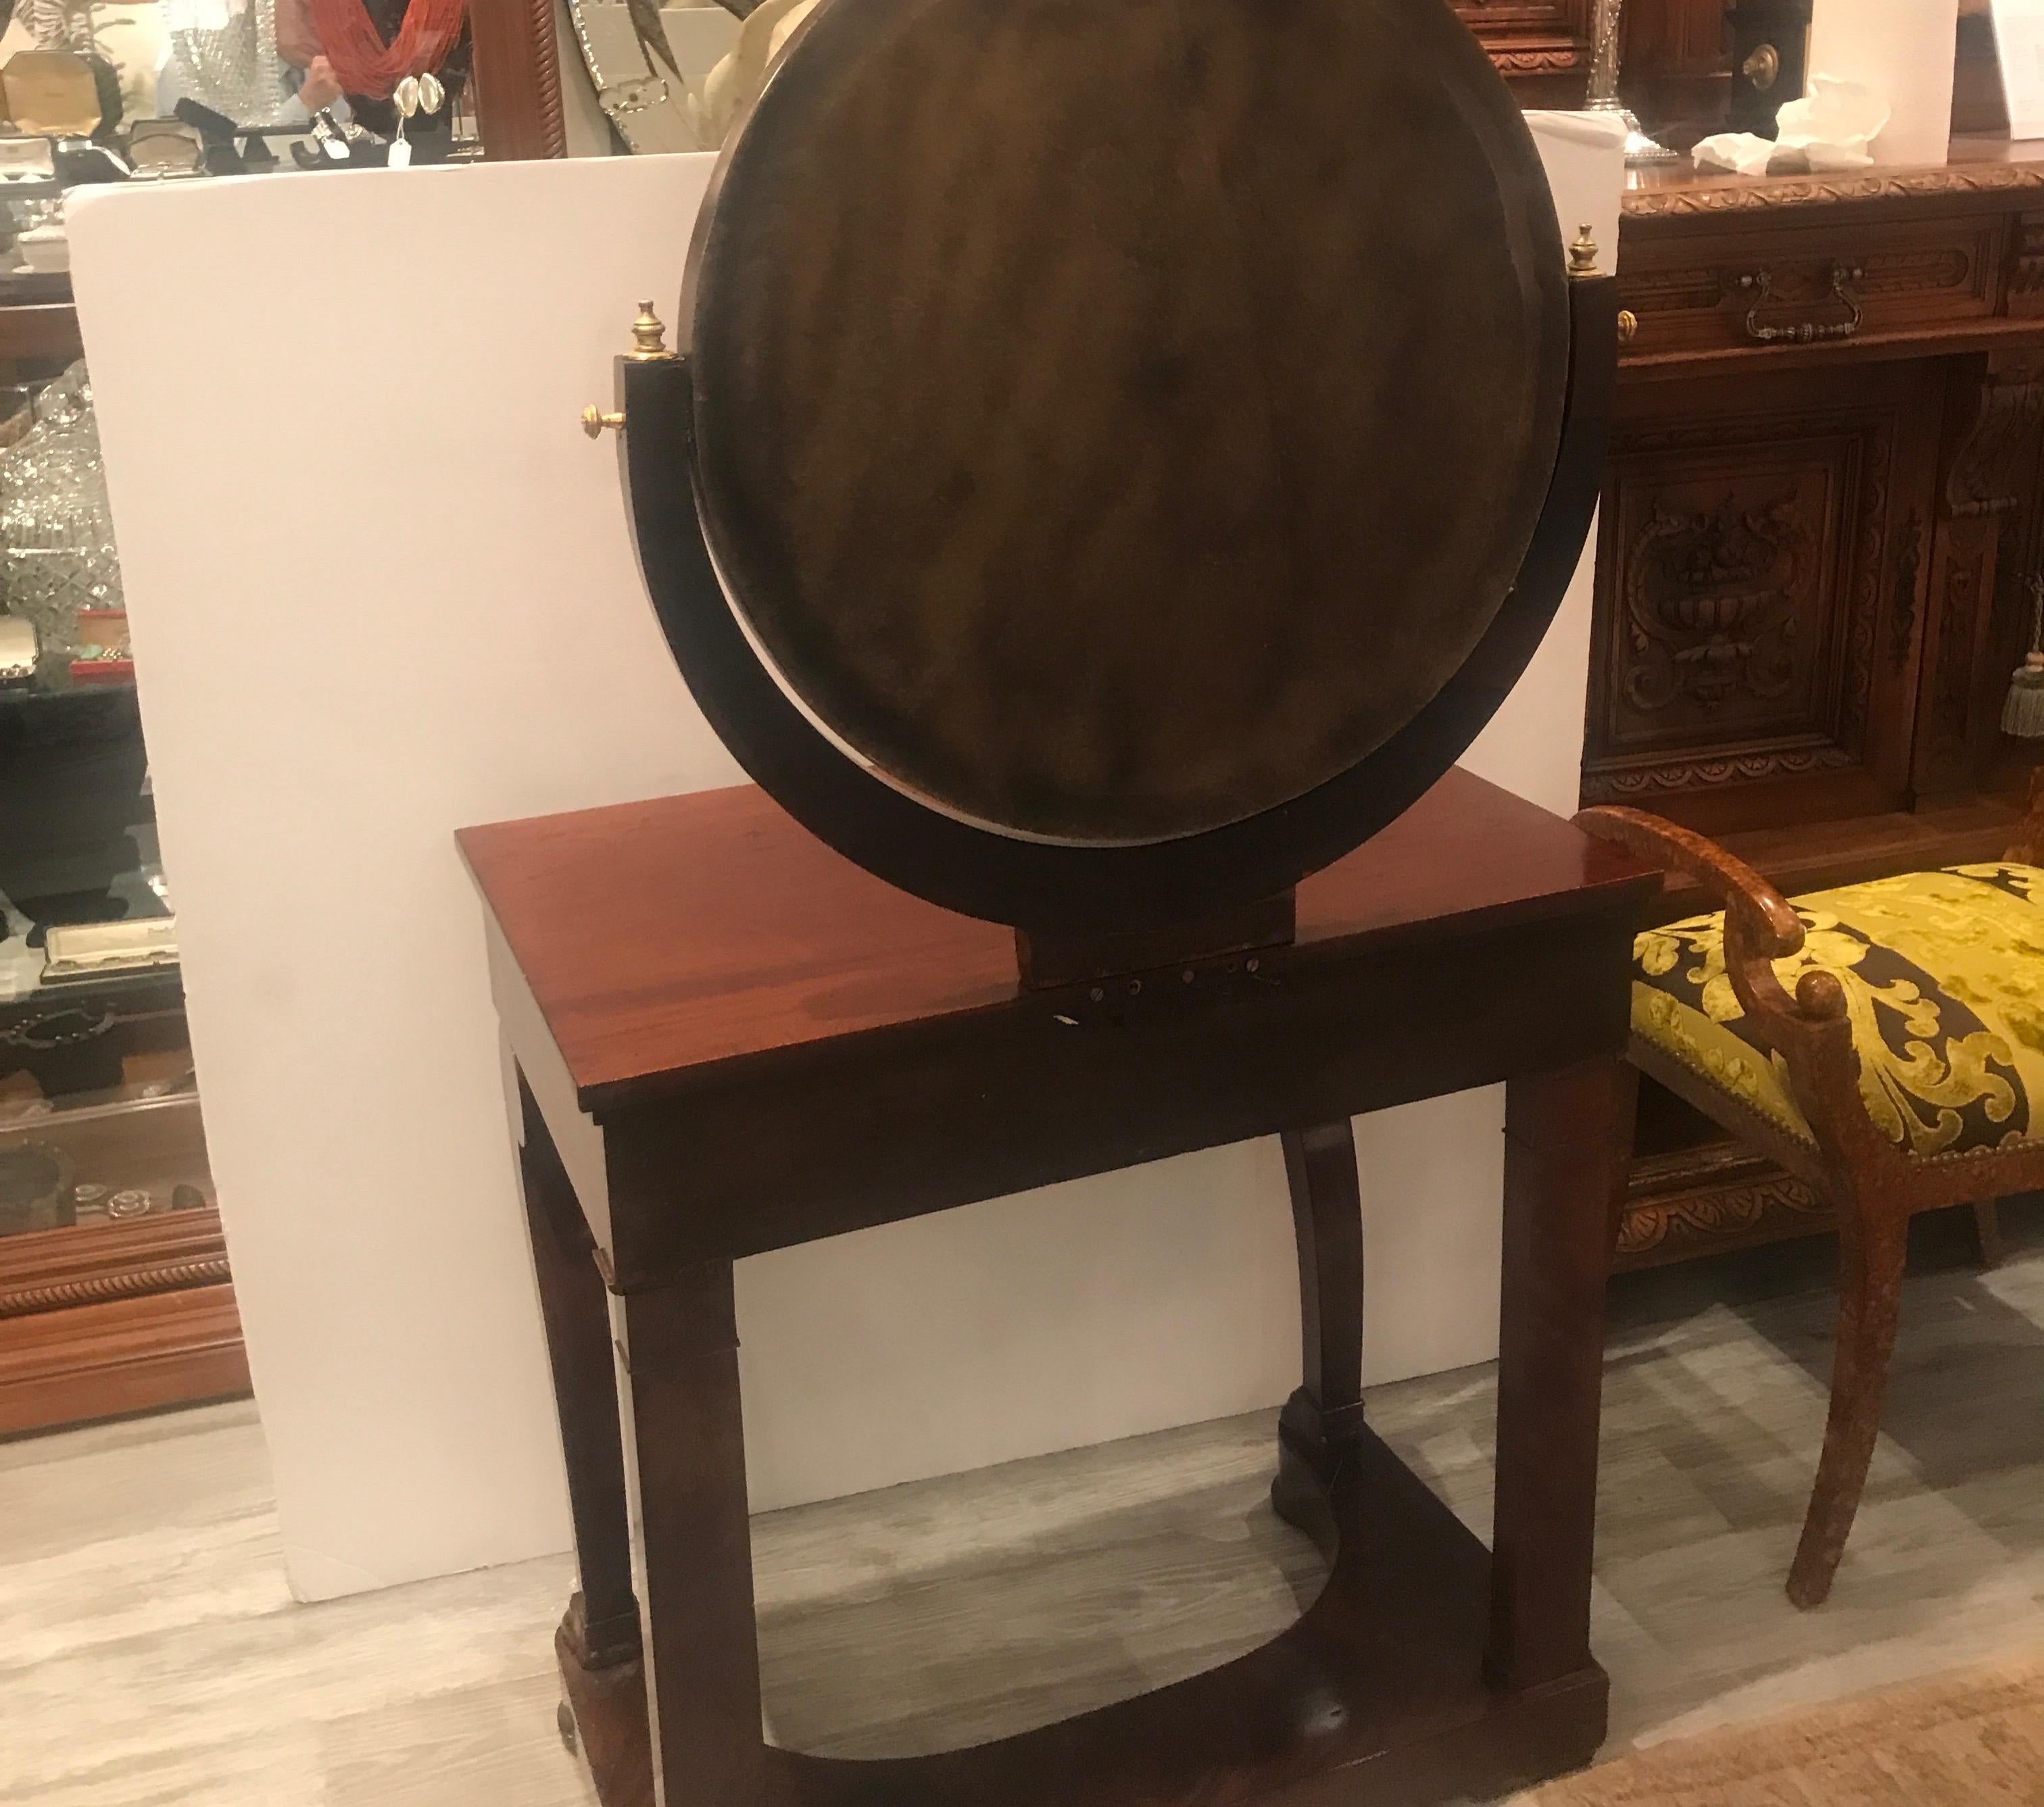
<point x="1583" y="253"/>
<point x="649" y="337"/>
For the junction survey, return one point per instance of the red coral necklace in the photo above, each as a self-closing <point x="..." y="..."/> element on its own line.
<point x="363" y="64"/>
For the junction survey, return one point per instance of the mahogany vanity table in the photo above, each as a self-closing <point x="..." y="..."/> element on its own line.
<point x="1115" y="462"/>
<point x="728" y="1038"/>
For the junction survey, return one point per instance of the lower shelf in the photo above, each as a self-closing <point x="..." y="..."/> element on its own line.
<point x="1375" y="1698"/>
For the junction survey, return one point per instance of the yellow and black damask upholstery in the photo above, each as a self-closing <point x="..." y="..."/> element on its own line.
<point x="1944" y="975"/>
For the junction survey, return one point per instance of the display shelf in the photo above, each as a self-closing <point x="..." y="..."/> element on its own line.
<point x="46" y="1270"/>
<point x="26" y="698"/>
<point x="35" y="288"/>
<point x="114" y="1295"/>
<point x="112" y="1298"/>
<point x="76" y="1038"/>
<point x="104" y="1166"/>
<point x="73" y="774"/>
<point x="80" y="847"/>
<point x="103" y="1313"/>
<point x="97" y="1360"/>
<point x="39" y="329"/>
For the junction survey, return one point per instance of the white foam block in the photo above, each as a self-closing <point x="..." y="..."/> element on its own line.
<point x="1906" y="50"/>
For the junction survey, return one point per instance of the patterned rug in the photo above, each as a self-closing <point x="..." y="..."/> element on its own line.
<point x="1973" y="1738"/>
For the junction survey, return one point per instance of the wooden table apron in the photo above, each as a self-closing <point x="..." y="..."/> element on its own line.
<point x="1428" y="1669"/>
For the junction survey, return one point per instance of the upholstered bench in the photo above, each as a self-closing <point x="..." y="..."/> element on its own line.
<point x="1884" y="1042"/>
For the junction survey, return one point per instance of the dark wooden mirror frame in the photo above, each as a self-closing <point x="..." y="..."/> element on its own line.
<point x="1077" y="909"/>
<point x="1078" y="890"/>
<point x="712" y="432"/>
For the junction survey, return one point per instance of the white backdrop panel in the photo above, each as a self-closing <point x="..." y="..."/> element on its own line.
<point x="382" y="587"/>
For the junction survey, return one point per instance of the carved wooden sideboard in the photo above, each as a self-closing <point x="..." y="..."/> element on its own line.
<point x="1540" y="47"/>
<point x="1822" y="509"/>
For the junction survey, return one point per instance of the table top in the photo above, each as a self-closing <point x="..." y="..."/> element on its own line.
<point x="689" y="931"/>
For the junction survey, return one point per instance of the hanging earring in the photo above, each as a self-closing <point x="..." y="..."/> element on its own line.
<point x="406" y="97"/>
<point x="431" y="93"/>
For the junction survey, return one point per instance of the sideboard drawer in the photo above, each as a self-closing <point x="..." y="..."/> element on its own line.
<point x="1724" y="291"/>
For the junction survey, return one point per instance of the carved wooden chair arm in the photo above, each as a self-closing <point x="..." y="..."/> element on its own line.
<point x="1760" y="927"/>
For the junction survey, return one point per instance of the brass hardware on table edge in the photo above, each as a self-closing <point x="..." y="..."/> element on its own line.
<point x="595" y="419"/>
<point x="1761" y="286"/>
<point x="1583" y="253"/>
<point x="1628" y="326"/>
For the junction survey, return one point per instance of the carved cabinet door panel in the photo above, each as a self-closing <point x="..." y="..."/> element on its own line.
<point x="1762" y="562"/>
<point x="1977" y="618"/>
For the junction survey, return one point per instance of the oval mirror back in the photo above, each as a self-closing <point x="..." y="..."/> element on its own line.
<point x="1113" y="421"/>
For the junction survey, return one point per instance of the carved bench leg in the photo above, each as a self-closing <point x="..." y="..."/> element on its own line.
<point x="1872" y="1256"/>
<point x="602" y="1625"/>
<point x="1326" y="1413"/>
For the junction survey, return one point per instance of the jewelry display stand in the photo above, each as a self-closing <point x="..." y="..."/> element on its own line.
<point x="1101" y="645"/>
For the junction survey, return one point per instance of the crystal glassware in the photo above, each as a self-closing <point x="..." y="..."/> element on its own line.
<point x="56" y="533"/>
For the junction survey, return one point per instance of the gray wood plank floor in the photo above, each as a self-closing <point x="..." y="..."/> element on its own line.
<point x="149" y="1654"/>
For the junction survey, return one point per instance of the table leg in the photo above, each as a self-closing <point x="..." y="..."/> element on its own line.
<point x="1564" y="1133"/>
<point x="1321" y="1420"/>
<point x="603" y="1619"/>
<point x="678" y="1348"/>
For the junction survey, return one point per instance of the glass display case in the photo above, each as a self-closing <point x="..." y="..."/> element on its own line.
<point x="114" y="1290"/>
<point x="115" y="1294"/>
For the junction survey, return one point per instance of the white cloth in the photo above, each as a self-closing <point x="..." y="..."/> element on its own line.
<point x="1830" y="128"/>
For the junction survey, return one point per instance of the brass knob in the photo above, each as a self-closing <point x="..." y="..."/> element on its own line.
<point x="649" y="344"/>
<point x="1628" y="326"/>
<point x="1762" y="68"/>
<point x="1583" y="253"/>
<point x="594" y="421"/>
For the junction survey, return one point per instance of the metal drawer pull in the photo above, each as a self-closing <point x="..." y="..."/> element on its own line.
<point x="1761" y="286"/>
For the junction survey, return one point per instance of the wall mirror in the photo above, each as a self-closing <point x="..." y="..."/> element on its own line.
<point x="673" y="78"/>
<point x="670" y="77"/>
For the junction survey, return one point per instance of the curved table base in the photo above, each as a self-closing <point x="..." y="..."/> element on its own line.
<point x="1396" y="1688"/>
<point x="1376" y="1696"/>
